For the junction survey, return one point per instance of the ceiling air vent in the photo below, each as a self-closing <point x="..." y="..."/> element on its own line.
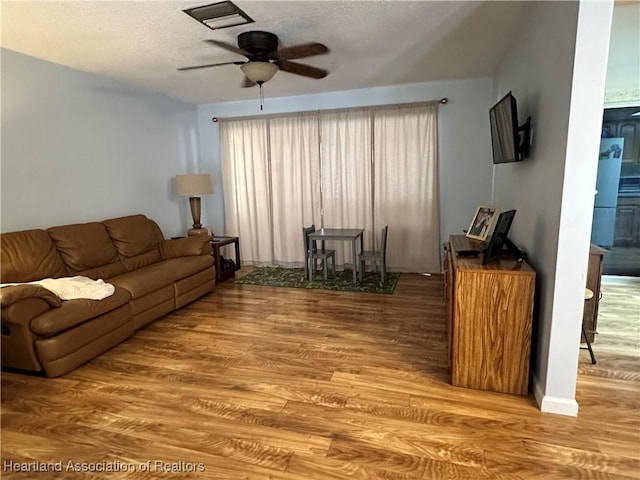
<point x="219" y="15"/>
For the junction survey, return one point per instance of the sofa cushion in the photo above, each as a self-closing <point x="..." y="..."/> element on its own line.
<point x="84" y="246"/>
<point x="133" y="235"/>
<point x="62" y="353"/>
<point x="75" y="312"/>
<point x="29" y="255"/>
<point x="185" y="266"/>
<point x="142" y="260"/>
<point x="153" y="277"/>
<point x="183" y="247"/>
<point x="105" y="271"/>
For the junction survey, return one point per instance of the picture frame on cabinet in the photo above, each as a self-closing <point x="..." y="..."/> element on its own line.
<point x="482" y="222"/>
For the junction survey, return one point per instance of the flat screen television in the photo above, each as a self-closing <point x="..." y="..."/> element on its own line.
<point x="500" y="239"/>
<point x="510" y="143"/>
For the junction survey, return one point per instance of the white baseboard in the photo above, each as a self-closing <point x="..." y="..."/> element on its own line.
<point x="557" y="405"/>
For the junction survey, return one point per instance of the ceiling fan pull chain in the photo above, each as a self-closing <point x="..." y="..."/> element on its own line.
<point x="261" y="95"/>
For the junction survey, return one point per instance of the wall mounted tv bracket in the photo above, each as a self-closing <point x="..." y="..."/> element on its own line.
<point x="524" y="132"/>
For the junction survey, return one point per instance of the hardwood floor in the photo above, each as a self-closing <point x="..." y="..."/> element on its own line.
<point x="617" y="343"/>
<point x="272" y="383"/>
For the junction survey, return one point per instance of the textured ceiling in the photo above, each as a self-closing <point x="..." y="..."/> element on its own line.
<point x="372" y="43"/>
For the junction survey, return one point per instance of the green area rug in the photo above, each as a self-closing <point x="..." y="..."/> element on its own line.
<point x="294" y="278"/>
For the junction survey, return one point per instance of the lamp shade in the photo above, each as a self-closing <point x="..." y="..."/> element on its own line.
<point x="194" y="185"/>
<point x="259" y="72"/>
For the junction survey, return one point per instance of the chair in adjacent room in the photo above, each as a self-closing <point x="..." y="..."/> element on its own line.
<point x="588" y="295"/>
<point x="312" y="254"/>
<point x="379" y="257"/>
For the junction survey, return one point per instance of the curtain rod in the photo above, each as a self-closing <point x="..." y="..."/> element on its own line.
<point x="443" y="101"/>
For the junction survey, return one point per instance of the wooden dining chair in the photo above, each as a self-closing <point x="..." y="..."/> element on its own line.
<point x="312" y="254"/>
<point x="379" y="257"/>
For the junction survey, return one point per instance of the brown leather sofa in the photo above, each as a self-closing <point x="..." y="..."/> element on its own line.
<point x="152" y="277"/>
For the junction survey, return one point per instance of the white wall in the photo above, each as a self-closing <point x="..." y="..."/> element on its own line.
<point x="558" y="79"/>
<point x="464" y="139"/>
<point x="78" y="147"/>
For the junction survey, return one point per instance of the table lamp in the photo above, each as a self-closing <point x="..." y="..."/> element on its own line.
<point x="193" y="186"/>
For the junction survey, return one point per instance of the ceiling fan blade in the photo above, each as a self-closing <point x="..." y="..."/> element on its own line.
<point x="182" y="69"/>
<point x="228" y="46"/>
<point x="301" y="69"/>
<point x="301" y="51"/>
<point x="246" y="83"/>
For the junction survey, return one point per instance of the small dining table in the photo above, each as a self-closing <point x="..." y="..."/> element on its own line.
<point x="346" y="234"/>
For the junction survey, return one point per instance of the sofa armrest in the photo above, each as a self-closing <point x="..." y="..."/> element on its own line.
<point x="15" y="293"/>
<point x="187" y="246"/>
<point x="20" y="305"/>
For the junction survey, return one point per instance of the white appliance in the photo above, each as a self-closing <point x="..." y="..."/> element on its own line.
<point x="607" y="185"/>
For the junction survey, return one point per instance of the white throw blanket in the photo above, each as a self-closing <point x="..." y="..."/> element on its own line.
<point x="70" y="288"/>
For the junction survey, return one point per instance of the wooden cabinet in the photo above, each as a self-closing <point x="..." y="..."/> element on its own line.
<point x="630" y="131"/>
<point x="627" y="229"/>
<point x="618" y="122"/>
<point x="448" y="296"/>
<point x="594" y="276"/>
<point x="489" y="317"/>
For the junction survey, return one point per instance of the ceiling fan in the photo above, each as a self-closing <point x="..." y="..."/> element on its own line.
<point x="264" y="58"/>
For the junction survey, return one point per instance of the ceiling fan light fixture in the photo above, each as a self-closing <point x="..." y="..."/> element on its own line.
<point x="259" y="72"/>
<point x="219" y="15"/>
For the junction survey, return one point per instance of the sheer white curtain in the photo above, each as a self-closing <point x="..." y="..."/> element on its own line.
<point x="352" y="168"/>
<point x="406" y="186"/>
<point x="295" y="183"/>
<point x="271" y="179"/>
<point x="346" y="174"/>
<point x="247" y="195"/>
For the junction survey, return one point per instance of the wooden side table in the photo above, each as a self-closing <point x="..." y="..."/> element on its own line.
<point x="216" y="244"/>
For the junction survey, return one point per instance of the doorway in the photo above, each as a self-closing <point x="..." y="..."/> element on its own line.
<point x="618" y="208"/>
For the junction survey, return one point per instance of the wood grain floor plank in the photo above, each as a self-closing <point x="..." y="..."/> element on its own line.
<point x="391" y="460"/>
<point x="225" y="422"/>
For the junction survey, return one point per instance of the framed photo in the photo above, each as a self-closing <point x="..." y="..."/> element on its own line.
<point x="482" y="222"/>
